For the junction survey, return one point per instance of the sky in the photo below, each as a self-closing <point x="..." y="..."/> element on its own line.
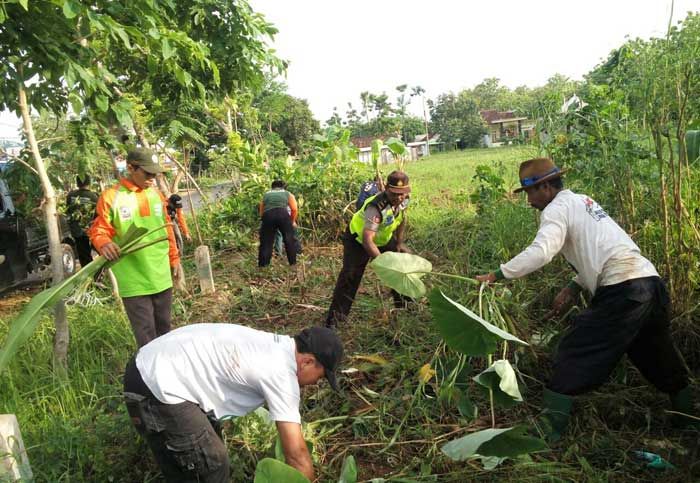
<point x="338" y="49"/>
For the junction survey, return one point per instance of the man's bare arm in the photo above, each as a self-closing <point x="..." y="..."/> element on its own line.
<point x="368" y="243"/>
<point x="295" y="451"/>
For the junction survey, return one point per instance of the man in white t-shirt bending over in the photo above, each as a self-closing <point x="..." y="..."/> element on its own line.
<point x="179" y="385"/>
<point x="629" y="312"/>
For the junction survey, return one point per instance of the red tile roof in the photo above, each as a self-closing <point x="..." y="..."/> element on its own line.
<point x="491" y="115"/>
<point x="365" y="141"/>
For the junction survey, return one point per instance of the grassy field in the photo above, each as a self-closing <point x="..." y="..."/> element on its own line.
<point x="77" y="430"/>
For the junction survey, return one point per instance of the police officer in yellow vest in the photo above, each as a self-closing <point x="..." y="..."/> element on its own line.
<point x="379" y="226"/>
<point x="145" y="278"/>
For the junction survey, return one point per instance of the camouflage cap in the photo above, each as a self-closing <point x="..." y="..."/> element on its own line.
<point x="145" y="159"/>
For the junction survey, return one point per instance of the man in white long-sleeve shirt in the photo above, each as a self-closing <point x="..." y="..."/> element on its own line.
<point x="629" y="311"/>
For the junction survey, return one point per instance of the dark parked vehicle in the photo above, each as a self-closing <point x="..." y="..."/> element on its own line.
<point x="24" y="246"/>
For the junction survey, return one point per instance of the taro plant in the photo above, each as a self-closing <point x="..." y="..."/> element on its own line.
<point x="271" y="470"/>
<point x="470" y="335"/>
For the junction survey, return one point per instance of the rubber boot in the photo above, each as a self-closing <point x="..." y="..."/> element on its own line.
<point x="555" y="416"/>
<point x="682" y="402"/>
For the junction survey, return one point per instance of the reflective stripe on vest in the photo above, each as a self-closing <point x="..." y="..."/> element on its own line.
<point x="387" y="227"/>
<point x="146" y="271"/>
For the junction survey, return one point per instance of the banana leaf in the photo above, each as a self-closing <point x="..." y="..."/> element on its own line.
<point x="24" y="325"/>
<point x="396" y="146"/>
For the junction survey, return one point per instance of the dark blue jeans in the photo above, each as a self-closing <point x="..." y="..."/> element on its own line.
<point x="186" y="443"/>
<point x="630" y="318"/>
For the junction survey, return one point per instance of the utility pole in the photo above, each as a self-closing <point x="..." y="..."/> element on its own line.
<point x="427" y="135"/>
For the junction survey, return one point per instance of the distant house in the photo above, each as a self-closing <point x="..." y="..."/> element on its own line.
<point x="419" y="146"/>
<point x="364" y="146"/>
<point x="503" y="125"/>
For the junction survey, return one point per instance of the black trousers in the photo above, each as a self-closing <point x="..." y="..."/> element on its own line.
<point x="149" y="315"/>
<point x="630" y="318"/>
<point x="273" y="220"/>
<point x="186" y="443"/>
<point x="82" y="246"/>
<point x="355" y="259"/>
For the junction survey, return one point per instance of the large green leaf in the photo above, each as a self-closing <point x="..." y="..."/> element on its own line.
<point x="402" y="272"/>
<point x="71" y="8"/>
<point x="23" y="326"/>
<point x="500" y="378"/>
<point x="102" y="102"/>
<point x="270" y="470"/>
<point x="168" y="49"/>
<point x="692" y="144"/>
<point x="502" y="442"/>
<point x="397" y="147"/>
<point x="463" y="330"/>
<point x="348" y="474"/>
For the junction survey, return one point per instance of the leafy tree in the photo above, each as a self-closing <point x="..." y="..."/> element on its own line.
<point x="296" y="125"/>
<point x="287" y="116"/>
<point x="335" y="119"/>
<point x="456" y="118"/>
<point x="366" y="99"/>
<point x="92" y="55"/>
<point x="490" y="94"/>
<point x="402" y="101"/>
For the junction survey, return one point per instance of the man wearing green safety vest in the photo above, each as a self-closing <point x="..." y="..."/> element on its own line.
<point x="145" y="278"/>
<point x="379" y="226"/>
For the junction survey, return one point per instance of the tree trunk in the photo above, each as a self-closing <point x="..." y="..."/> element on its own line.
<point x="190" y="178"/>
<point x="163" y="185"/>
<point x="427" y="133"/>
<point x="141" y="136"/>
<point x="115" y="168"/>
<point x="62" y="336"/>
<point x="229" y="121"/>
<point x="175" y="185"/>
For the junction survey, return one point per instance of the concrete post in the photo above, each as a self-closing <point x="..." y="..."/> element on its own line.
<point x="14" y="464"/>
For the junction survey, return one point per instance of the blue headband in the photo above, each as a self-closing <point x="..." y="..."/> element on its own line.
<point x="525" y="182"/>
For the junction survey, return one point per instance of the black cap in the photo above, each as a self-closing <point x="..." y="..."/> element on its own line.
<point x="397" y="182"/>
<point x="145" y="159"/>
<point x="325" y="345"/>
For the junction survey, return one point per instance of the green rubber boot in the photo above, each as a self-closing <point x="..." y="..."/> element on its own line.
<point x="555" y="416"/>
<point x="682" y="402"/>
